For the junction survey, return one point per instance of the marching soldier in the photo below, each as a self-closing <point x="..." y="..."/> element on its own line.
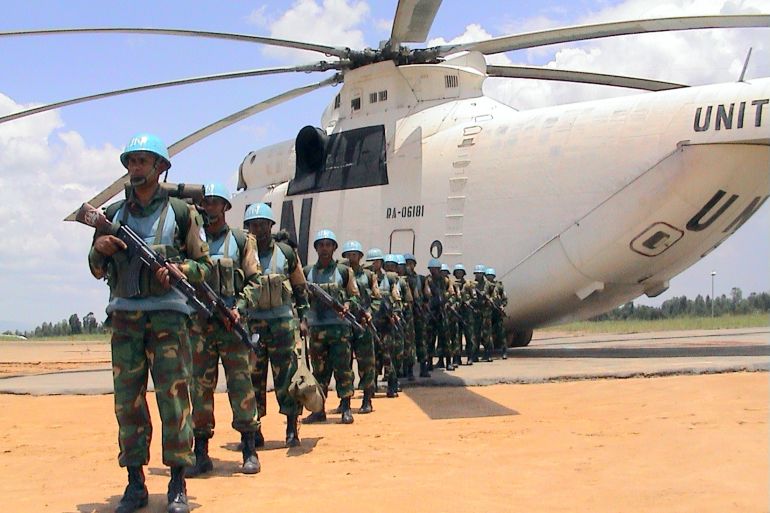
<point x="410" y="350"/>
<point x="484" y="294"/>
<point x="467" y="291"/>
<point x="330" y="336"/>
<point x="271" y="316"/>
<point x="363" y="343"/>
<point x="417" y="284"/>
<point x="386" y="318"/>
<point x="451" y="309"/>
<point x="437" y="289"/>
<point x="500" y="300"/>
<point x="150" y="321"/>
<point x="235" y="269"/>
<point x="399" y="307"/>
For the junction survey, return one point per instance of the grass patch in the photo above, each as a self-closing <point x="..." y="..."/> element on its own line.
<point x="755" y="320"/>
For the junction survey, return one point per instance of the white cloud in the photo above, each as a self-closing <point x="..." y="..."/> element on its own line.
<point x="331" y="23"/>
<point x="46" y="173"/>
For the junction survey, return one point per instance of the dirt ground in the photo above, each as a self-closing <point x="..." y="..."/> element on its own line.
<point x="674" y="444"/>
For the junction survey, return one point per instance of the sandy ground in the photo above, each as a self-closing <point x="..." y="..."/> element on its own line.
<point x="22" y="358"/>
<point x="675" y="444"/>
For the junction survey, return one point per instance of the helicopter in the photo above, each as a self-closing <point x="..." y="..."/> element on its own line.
<point x="579" y="207"/>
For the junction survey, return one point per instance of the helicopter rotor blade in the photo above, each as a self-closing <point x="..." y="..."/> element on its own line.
<point x="596" y="31"/>
<point x="308" y="68"/>
<point x="187" y="141"/>
<point x="412" y="21"/>
<point x="580" y="77"/>
<point x="336" y="51"/>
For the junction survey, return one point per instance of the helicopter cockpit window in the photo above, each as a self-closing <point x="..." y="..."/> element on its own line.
<point x="345" y="160"/>
<point x="372" y="97"/>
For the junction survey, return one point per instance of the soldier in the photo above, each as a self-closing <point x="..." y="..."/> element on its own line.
<point x="451" y="309"/>
<point x="363" y="343"/>
<point x="467" y="291"/>
<point x="410" y="350"/>
<point x="271" y="316"/>
<point x="437" y="290"/>
<point x="484" y="293"/>
<point x="398" y="300"/>
<point x="386" y="318"/>
<point x="235" y="269"/>
<point x="330" y="335"/>
<point x="500" y="300"/>
<point x="150" y="327"/>
<point x="417" y="284"/>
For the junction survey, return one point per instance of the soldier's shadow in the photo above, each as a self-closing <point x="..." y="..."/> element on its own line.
<point x="156" y="502"/>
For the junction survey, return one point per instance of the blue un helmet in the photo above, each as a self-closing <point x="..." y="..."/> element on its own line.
<point x="374" y="254"/>
<point x="219" y="191"/>
<point x="444" y="267"/>
<point x="409" y="256"/>
<point x="259" y="211"/>
<point x="459" y="267"/>
<point x="352" y="245"/>
<point x="325" y="234"/>
<point x="145" y="142"/>
<point x="490" y="272"/>
<point x="390" y="258"/>
<point x="480" y="268"/>
<point x="434" y="262"/>
<point x="400" y="259"/>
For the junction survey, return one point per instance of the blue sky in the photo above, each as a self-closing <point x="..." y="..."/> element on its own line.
<point x="51" y="162"/>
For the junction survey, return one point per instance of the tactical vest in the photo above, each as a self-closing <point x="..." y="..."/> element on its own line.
<point x="364" y="286"/>
<point x="226" y="277"/>
<point x="333" y="281"/>
<point x="132" y="284"/>
<point x="274" y="299"/>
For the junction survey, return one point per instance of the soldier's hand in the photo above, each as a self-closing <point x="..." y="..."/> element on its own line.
<point x="163" y="277"/>
<point x="108" y="245"/>
<point x="236" y="315"/>
<point x="367" y="317"/>
<point x="344" y="311"/>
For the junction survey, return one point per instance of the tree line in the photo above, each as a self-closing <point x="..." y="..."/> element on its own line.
<point x="71" y="326"/>
<point x="682" y="306"/>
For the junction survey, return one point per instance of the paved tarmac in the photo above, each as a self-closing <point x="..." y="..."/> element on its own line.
<point x="550" y="357"/>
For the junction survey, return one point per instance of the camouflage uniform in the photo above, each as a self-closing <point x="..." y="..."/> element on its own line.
<point x="483" y="329"/>
<point x="437" y="327"/>
<point x="330" y="336"/>
<point x="363" y="344"/>
<point x="150" y="329"/>
<point x="212" y="342"/>
<point x="452" y="311"/>
<point x="392" y="351"/>
<point x="277" y="327"/>
<point x="466" y="329"/>
<point x="416" y="284"/>
<point x="409" y="356"/>
<point x="498" y="331"/>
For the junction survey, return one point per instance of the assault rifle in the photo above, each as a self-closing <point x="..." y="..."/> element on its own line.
<point x="496" y="307"/>
<point x="140" y="253"/>
<point x="226" y="315"/>
<point x="325" y="299"/>
<point x="359" y="312"/>
<point x="386" y="307"/>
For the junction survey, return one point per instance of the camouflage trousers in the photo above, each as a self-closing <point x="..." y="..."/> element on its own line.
<point x="437" y="336"/>
<point x="498" y="332"/>
<point x="483" y="330"/>
<point x="330" y="351"/>
<point x="453" y="340"/>
<point x="410" y="348"/>
<point x="363" y="349"/>
<point x="156" y="342"/>
<point x="276" y="347"/>
<point x="466" y="330"/>
<point x="392" y="354"/>
<point x="421" y="349"/>
<point x="210" y="343"/>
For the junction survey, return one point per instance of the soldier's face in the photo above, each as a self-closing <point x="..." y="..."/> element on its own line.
<point x="325" y="248"/>
<point x="354" y="257"/>
<point x="376" y="265"/>
<point x="435" y="272"/>
<point x="142" y="168"/>
<point x="459" y="275"/>
<point x="260" y="228"/>
<point x="214" y="207"/>
<point x="390" y="267"/>
<point x="410" y="265"/>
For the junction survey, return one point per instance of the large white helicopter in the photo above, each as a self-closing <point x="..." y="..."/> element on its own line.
<point x="579" y="207"/>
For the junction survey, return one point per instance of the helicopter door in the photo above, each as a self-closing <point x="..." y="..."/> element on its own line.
<point x="402" y="241"/>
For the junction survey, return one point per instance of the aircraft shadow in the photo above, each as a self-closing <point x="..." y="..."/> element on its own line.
<point x="455" y="400"/>
<point x="645" y="352"/>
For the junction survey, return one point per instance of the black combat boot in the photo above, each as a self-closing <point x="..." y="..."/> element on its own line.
<point x="250" y="459"/>
<point x="259" y="438"/>
<point x="203" y="463"/>
<point x="347" y="415"/>
<point x="292" y="431"/>
<point x="366" y="404"/>
<point x="392" y="386"/>
<point x="424" y="370"/>
<point x="449" y="365"/>
<point x="135" y="496"/>
<point x="177" y="492"/>
<point x="458" y="360"/>
<point x="488" y="354"/>
<point x="504" y="350"/>
<point x="430" y="363"/>
<point x="410" y="372"/>
<point x="440" y="364"/>
<point x="315" y="417"/>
